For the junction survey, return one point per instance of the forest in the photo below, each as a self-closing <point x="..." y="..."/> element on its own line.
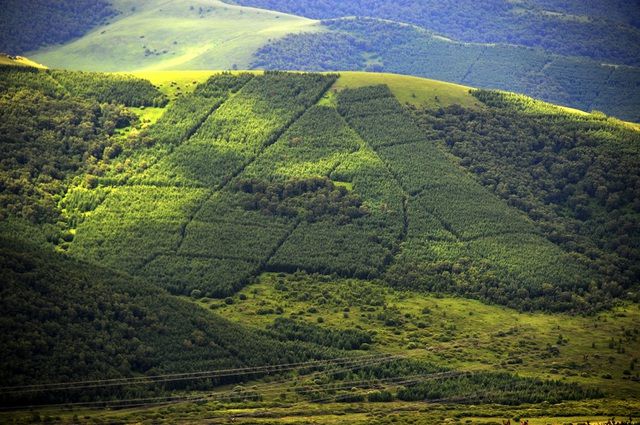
<point x="382" y="46"/>
<point x="52" y="133"/>
<point x="26" y="26"/>
<point x="575" y="177"/>
<point x="497" y="21"/>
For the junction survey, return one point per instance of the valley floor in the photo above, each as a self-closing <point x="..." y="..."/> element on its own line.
<point x="455" y="333"/>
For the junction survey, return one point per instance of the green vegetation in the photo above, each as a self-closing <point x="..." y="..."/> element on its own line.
<point x="374" y="45"/>
<point x="308" y="199"/>
<point x="203" y="152"/>
<point x="452" y="332"/>
<point x="128" y="234"/>
<point x="18" y="61"/>
<point x="613" y="37"/>
<point x="15" y="78"/>
<point x="411" y="90"/>
<point x="182" y="34"/>
<point x="574" y="175"/>
<point x="183" y="118"/>
<point x="68" y="320"/>
<point x="324" y="145"/>
<point x="28" y="26"/>
<point x="474" y="244"/>
<point x="54" y="133"/>
<point x="586" y="61"/>
<point x="125" y="90"/>
<point x="47" y="139"/>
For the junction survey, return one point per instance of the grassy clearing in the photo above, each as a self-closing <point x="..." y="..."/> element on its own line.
<point x="413" y="90"/>
<point x="454" y="332"/>
<point x="173" y="82"/>
<point x="182" y="34"/>
<point x="399" y="413"/>
<point x="148" y="115"/>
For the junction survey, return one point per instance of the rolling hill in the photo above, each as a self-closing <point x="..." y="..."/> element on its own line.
<point x="203" y="34"/>
<point x="237" y="225"/>
<point x="570" y="28"/>
<point x="384" y="46"/>
<point x="576" y="55"/>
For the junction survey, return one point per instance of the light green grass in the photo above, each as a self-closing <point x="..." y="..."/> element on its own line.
<point x="148" y="116"/>
<point x="19" y="61"/>
<point x="413" y="90"/>
<point x="398" y="413"/>
<point x="183" y="81"/>
<point x="459" y="333"/>
<point x="223" y="36"/>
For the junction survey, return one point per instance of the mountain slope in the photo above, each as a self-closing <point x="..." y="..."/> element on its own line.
<point x="377" y="45"/>
<point x="29" y="25"/>
<point x="203" y="34"/>
<point x="234" y="201"/>
<point x="315" y="212"/>
<point x="549" y="25"/>
<point x="69" y="320"/>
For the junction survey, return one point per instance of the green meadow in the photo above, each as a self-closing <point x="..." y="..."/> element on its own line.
<point x="177" y="35"/>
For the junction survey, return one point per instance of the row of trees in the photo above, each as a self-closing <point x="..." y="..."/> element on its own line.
<point x="460" y="237"/>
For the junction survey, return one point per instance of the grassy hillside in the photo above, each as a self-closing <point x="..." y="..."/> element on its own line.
<point x="326" y="217"/>
<point x="546" y="64"/>
<point x="455" y="332"/>
<point x="413" y="90"/>
<point x="202" y="34"/>
<point x="9" y="60"/>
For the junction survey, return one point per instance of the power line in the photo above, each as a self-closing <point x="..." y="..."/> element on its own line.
<point x="353" y="364"/>
<point x="177" y="376"/>
<point x="365" y="384"/>
<point x="311" y="389"/>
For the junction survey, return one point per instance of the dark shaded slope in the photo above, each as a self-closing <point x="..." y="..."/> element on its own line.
<point x="66" y="320"/>
<point x="28" y="25"/>
<point x="494" y="21"/>
<point x="376" y="45"/>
